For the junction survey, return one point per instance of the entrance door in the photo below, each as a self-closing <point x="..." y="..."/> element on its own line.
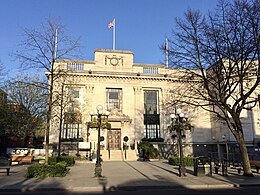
<point x="114" y="139"/>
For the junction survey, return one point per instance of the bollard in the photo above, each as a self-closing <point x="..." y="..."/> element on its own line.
<point x="224" y="168"/>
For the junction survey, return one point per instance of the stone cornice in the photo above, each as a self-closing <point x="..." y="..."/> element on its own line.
<point x="132" y="76"/>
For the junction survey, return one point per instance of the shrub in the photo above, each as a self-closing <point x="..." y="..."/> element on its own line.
<point x="52" y="160"/>
<point x="58" y="170"/>
<point x="69" y="160"/>
<point x="35" y="170"/>
<point x="173" y="160"/>
<point x="42" y="170"/>
<point x="82" y="158"/>
<point x="72" y="139"/>
<point x="147" y="151"/>
<point x="153" y="139"/>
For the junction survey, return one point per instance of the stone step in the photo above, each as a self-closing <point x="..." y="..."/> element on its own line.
<point x="116" y="155"/>
<point x="104" y="155"/>
<point x="119" y="155"/>
<point x="131" y="155"/>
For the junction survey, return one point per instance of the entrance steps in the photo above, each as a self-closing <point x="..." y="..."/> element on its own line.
<point x="130" y="155"/>
<point x="116" y="155"/>
<point x="104" y="155"/>
<point x="119" y="155"/>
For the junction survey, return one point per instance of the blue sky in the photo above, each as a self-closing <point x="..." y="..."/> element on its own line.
<point x="141" y="25"/>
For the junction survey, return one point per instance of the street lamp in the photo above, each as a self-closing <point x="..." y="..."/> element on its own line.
<point x="101" y="115"/>
<point x="179" y="125"/>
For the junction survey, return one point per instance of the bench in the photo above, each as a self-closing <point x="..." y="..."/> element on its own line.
<point x="256" y="164"/>
<point x="5" y="164"/>
<point x="7" y="170"/>
<point x="24" y="159"/>
<point x="238" y="169"/>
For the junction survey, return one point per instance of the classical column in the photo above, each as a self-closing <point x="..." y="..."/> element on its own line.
<point x="88" y="101"/>
<point x="139" y="112"/>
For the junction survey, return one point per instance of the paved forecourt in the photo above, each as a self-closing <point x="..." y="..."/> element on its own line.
<point x="122" y="175"/>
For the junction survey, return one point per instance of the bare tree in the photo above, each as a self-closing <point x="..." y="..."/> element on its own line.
<point x="40" y="50"/>
<point x="64" y="105"/>
<point x="3" y="72"/>
<point x="219" y="55"/>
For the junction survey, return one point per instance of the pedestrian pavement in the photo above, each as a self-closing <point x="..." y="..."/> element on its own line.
<point x="124" y="175"/>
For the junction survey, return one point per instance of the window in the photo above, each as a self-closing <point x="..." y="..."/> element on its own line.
<point x="152" y="131"/>
<point x="114" y="99"/>
<point x="151" y="114"/>
<point x="72" y="126"/>
<point x="150" y="102"/>
<point x="73" y="103"/>
<point x="73" y="92"/>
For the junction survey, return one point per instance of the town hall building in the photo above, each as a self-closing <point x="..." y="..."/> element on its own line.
<point x="138" y="99"/>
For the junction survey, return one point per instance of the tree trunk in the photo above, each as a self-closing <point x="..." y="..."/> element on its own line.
<point x="61" y="119"/>
<point x="245" y="158"/>
<point x="49" y="112"/>
<point x="237" y="130"/>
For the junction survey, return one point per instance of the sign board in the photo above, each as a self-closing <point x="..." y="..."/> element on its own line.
<point x="85" y="145"/>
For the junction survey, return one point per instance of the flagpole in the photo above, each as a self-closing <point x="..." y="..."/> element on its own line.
<point x="114" y="35"/>
<point x="56" y="44"/>
<point x="166" y="53"/>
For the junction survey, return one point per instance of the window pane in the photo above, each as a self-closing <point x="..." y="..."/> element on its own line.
<point x="152" y="131"/>
<point x="74" y="93"/>
<point x="72" y="126"/>
<point x="114" y="99"/>
<point x="113" y="95"/>
<point x="150" y="102"/>
<point x="151" y="114"/>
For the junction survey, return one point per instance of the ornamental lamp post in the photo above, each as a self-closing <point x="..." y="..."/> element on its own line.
<point x="101" y="115"/>
<point x="179" y="125"/>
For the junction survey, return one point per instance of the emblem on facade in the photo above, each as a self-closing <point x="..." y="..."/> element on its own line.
<point x="114" y="60"/>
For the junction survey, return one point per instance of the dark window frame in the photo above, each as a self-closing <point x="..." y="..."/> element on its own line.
<point x="151" y="114"/>
<point x="72" y="126"/>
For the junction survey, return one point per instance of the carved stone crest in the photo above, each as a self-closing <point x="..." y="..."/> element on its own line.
<point x="114" y="60"/>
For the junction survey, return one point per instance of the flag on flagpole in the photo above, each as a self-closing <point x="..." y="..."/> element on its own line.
<point x="111" y="24"/>
<point x="166" y="44"/>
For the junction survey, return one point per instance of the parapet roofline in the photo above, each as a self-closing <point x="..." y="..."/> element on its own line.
<point x="93" y="62"/>
<point x="114" y="51"/>
<point x="77" y="61"/>
<point x="150" y="65"/>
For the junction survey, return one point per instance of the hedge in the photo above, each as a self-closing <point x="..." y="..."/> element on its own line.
<point x="152" y="140"/>
<point x="42" y="170"/>
<point x="69" y="160"/>
<point x="173" y="160"/>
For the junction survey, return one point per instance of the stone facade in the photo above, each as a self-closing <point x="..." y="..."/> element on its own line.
<point x="137" y="96"/>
